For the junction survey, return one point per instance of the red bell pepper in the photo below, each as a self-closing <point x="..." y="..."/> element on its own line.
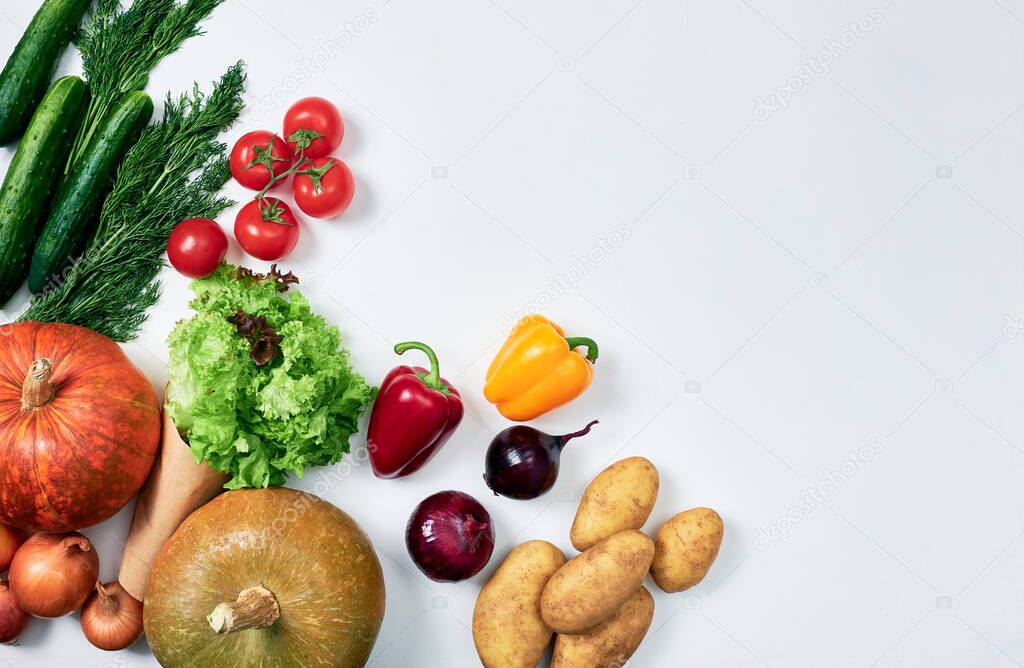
<point x="415" y="414"/>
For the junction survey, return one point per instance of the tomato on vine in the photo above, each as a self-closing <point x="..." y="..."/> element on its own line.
<point x="325" y="188"/>
<point x="316" y="124"/>
<point x="266" y="229"/>
<point x="258" y="158"/>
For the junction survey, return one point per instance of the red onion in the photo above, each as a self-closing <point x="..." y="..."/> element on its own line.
<point x="112" y="618"/>
<point x="53" y="573"/>
<point x="450" y="536"/>
<point x="522" y="462"/>
<point x="13" y="620"/>
<point x="10" y="540"/>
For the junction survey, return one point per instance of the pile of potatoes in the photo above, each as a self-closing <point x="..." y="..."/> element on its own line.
<point x="596" y="602"/>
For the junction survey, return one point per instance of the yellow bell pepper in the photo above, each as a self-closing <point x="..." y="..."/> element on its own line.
<point x="538" y="369"/>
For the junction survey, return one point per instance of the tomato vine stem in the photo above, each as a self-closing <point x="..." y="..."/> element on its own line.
<point x="303" y="165"/>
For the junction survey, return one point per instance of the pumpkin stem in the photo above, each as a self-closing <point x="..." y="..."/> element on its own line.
<point x="255" y="608"/>
<point x="37" y="391"/>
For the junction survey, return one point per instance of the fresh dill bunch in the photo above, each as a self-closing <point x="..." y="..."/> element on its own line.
<point x="174" y="172"/>
<point x="121" y="47"/>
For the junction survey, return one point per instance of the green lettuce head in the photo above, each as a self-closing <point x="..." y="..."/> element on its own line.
<point x="258" y="384"/>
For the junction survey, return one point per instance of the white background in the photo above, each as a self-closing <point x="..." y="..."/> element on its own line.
<point x="792" y="287"/>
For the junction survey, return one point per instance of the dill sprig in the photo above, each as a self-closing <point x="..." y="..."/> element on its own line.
<point x="174" y="172"/>
<point x="121" y="47"/>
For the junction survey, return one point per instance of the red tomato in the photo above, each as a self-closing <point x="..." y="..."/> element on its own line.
<point x="324" y="189"/>
<point x="255" y="155"/>
<point x="321" y="117"/>
<point x="267" y="230"/>
<point x="196" y="247"/>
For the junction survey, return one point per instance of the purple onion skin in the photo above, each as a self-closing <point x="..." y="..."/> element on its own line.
<point x="523" y="462"/>
<point x="450" y="536"/>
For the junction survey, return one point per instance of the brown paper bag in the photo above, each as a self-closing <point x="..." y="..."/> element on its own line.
<point x="176" y="487"/>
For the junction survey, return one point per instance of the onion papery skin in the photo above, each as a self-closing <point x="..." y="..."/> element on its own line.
<point x="315" y="560"/>
<point x="523" y="462"/>
<point x="52" y="574"/>
<point x="112" y="618"/>
<point x="450" y="536"/>
<point x="10" y="540"/>
<point x="520" y="466"/>
<point x="13" y="620"/>
<point x="84" y="448"/>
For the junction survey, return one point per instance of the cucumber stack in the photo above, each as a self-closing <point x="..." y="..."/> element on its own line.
<point x="78" y="131"/>
<point x="76" y="211"/>
<point x="26" y="77"/>
<point x="34" y="176"/>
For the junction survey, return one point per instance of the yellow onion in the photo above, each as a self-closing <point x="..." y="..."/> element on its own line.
<point x="53" y="573"/>
<point x="111" y="617"/>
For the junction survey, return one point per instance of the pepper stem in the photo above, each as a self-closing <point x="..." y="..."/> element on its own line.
<point x="255" y="608"/>
<point x="433" y="378"/>
<point x="576" y="434"/>
<point x="578" y="341"/>
<point x="37" y="391"/>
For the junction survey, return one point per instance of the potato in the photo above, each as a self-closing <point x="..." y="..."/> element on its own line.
<point x="590" y="588"/>
<point x="507" y="627"/>
<point x="686" y="546"/>
<point x="620" y="497"/>
<point x="610" y="643"/>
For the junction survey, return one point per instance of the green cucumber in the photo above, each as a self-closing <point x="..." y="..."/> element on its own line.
<point x="27" y="74"/>
<point x="76" y="212"/>
<point x="34" y="175"/>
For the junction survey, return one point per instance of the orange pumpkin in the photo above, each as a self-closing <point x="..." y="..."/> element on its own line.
<point x="79" y="427"/>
